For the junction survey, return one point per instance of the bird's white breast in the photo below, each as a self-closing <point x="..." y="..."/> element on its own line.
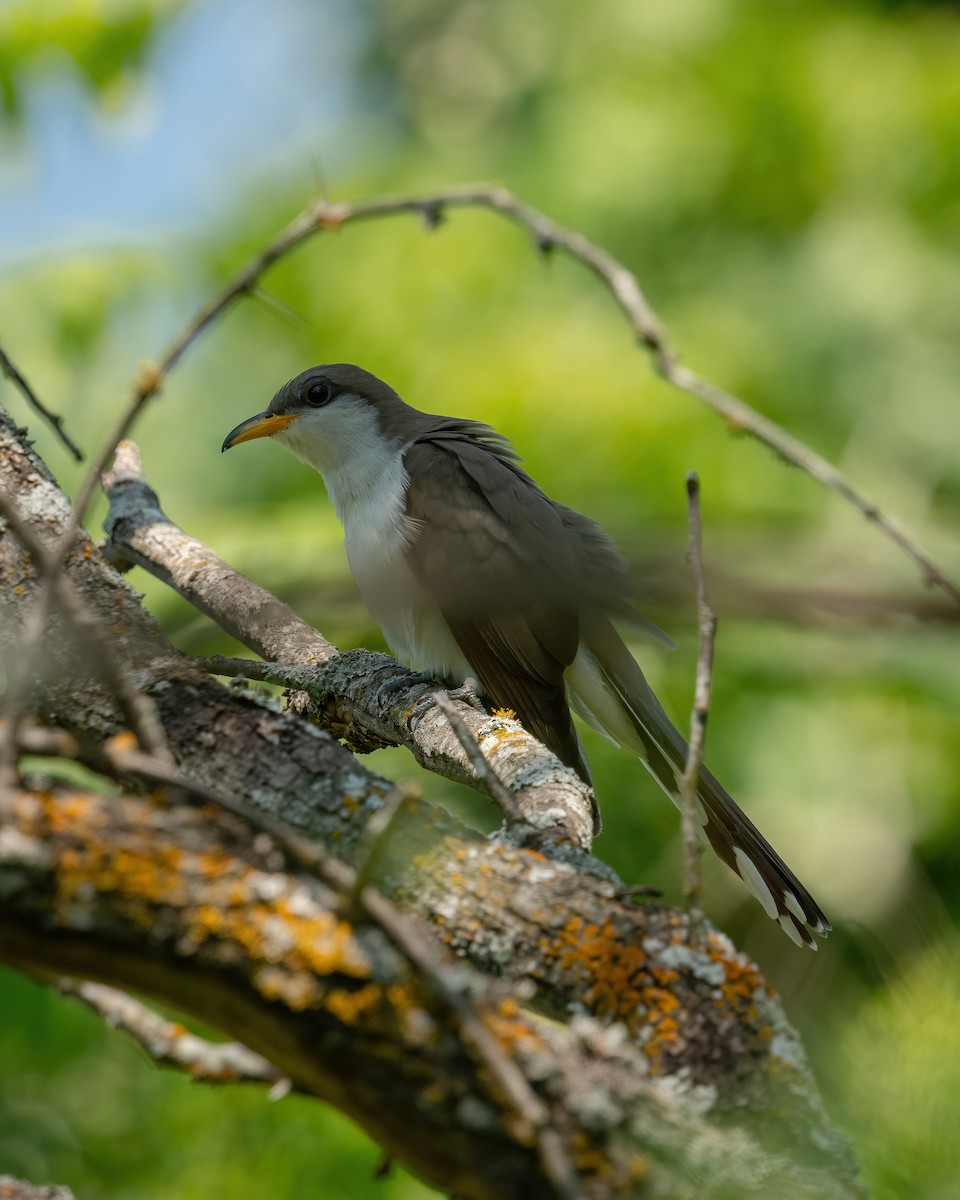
<point x="377" y="535"/>
<point x="367" y="483"/>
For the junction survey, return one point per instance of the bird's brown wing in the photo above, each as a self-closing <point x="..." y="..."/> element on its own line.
<point x="495" y="554"/>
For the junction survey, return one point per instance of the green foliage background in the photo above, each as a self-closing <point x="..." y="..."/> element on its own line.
<point x="784" y="178"/>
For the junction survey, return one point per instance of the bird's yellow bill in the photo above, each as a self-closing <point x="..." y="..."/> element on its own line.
<point x="264" y="424"/>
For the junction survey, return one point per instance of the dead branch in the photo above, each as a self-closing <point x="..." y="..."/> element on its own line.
<point x="168" y="1043"/>
<point x="53" y="420"/>
<point x="692" y="848"/>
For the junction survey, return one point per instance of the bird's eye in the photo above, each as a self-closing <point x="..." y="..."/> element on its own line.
<point x="318" y="393"/>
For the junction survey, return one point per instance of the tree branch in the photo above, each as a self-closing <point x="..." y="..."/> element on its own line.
<point x="692" y="847"/>
<point x="31" y="397"/>
<point x="353" y="1016"/>
<point x="168" y="1043"/>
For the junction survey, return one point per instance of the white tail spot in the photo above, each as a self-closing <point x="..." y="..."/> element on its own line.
<point x="793" y="904"/>
<point x="791" y="930"/>
<point x="754" y="881"/>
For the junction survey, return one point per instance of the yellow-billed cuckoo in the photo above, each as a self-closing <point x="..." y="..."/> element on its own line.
<point x="472" y="572"/>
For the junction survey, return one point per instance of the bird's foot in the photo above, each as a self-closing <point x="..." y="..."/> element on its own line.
<point x="469" y="693"/>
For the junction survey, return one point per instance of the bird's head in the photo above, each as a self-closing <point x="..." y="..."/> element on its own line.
<point x="328" y="415"/>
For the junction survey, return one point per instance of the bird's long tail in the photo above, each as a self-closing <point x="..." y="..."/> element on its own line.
<point x="609" y="690"/>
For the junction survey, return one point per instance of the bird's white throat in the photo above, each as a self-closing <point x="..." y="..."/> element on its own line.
<point x="344" y="444"/>
<point x="367" y="484"/>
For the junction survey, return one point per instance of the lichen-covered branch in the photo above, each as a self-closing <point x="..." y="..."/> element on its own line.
<point x="271" y="958"/>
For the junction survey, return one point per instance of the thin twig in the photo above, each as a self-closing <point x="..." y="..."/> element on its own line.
<point x="692" y="847"/>
<point x="498" y="793"/>
<point x="53" y="420"/>
<point x="169" y="1044"/>
<point x="19" y="672"/>
<point x="153" y="375"/>
<point x="547" y="235"/>
<point x="376" y="836"/>
<point x="623" y="284"/>
<point x="285" y="675"/>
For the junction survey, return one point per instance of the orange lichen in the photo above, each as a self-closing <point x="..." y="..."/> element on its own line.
<point x="512" y="1032"/>
<point x="120" y="742"/>
<point x="742" y="981"/>
<point x="349" y="1006"/>
<point x="505" y="714"/>
<point x="586" y="1155"/>
<point x="324" y="943"/>
<point x="638" y="1168"/>
<point x="62" y="814"/>
<point x="658" y="1001"/>
<point x="215" y="864"/>
<point x="613" y="970"/>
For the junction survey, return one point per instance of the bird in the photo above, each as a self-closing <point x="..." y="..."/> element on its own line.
<point x="477" y="577"/>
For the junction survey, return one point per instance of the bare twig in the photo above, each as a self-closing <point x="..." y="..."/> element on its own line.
<point x="376" y="837"/>
<point x="168" y="1043"/>
<point x="154" y="375"/>
<point x="692" y="848"/>
<point x="141" y="534"/>
<point x="622" y="283"/>
<point x="547" y="235"/>
<point x="53" y="420"/>
<point x="498" y="793"/>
